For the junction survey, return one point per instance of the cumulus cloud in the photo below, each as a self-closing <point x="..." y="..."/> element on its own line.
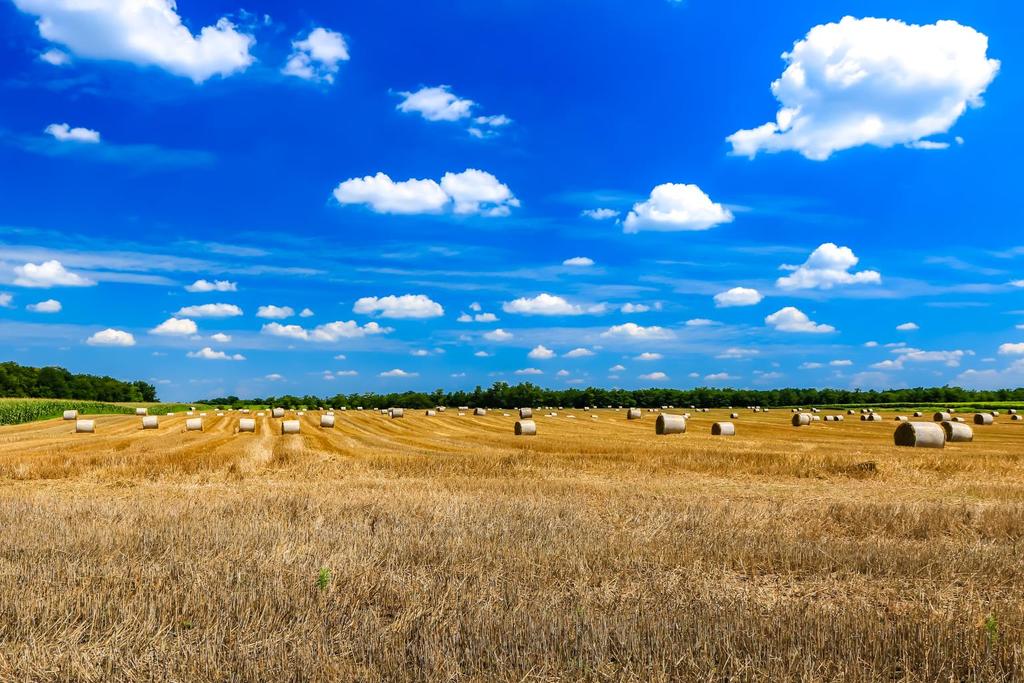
<point x="65" y="133"/>
<point x="600" y="214"/>
<point x="549" y="304"/>
<point x="206" y="353"/>
<point x="701" y="322"/>
<point x="909" y="355"/>
<point x="875" y="82"/>
<point x="6" y="299"/>
<point x="215" y="286"/>
<point x="48" y="306"/>
<point x="907" y="327"/>
<point x="176" y="327"/>
<point x="617" y="368"/>
<point x="578" y="353"/>
<point x="306" y="313"/>
<point x="638" y="308"/>
<point x="275" y="312"/>
<point x="676" y="207"/>
<point x="498" y="335"/>
<point x="738" y="296"/>
<point x="477" y="317"/>
<point x="209" y="311"/>
<point x="55" y="57"/>
<point x="841" y="363"/>
<point x="398" y="372"/>
<point x="541" y="352"/>
<point x="482" y="354"/>
<point x="405" y="306"/>
<point x="48" y="274"/>
<point x="578" y="261"/>
<point x="437" y="103"/>
<point x="791" y="319"/>
<point x="529" y="371"/>
<point x="221" y="338"/>
<point x="637" y="332"/>
<point x="111" y="337"/>
<point x="647" y="355"/>
<point x="827" y="266"/>
<point x="737" y="353"/>
<point x="142" y="32"/>
<point x="655" y="377"/>
<point x="811" y="365"/>
<point x="470" y="192"/>
<point x="317" y="57"/>
<point x="328" y="332"/>
<point x="1012" y="349"/>
<point x="718" y="377"/>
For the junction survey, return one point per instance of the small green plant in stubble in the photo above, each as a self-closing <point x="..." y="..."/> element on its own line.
<point x="323" y="578"/>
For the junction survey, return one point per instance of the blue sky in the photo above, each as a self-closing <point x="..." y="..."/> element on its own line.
<point x="332" y="197"/>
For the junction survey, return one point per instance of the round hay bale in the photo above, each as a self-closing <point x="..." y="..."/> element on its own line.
<point x="941" y="416"/>
<point x="1015" y="417"/>
<point x="920" y="435"/>
<point x="327" y="422"/>
<point x="277" y="412"/>
<point x="526" y="428"/>
<point x="141" y="411"/>
<point x="194" y="425"/>
<point x="634" y="414"/>
<point x="430" y="413"/>
<point x="801" y="419"/>
<point x="525" y="413"/>
<point x="850" y="411"/>
<point x="918" y="414"/>
<point x="479" y="411"/>
<point x="291" y="427"/>
<point x="958" y="419"/>
<point x="983" y="419"/>
<point x="85" y="426"/>
<point x="1011" y="411"/>
<point x="397" y="413"/>
<point x="994" y="413"/>
<point x="150" y="422"/>
<point x="247" y="424"/>
<point x="670" y="424"/>
<point x="70" y="414"/>
<point x="723" y="429"/>
<point x="901" y="418"/>
<point x="957" y="432"/>
<point x="734" y="416"/>
<point x="815" y="418"/>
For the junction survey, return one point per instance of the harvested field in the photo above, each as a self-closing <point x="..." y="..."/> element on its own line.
<point x="443" y="547"/>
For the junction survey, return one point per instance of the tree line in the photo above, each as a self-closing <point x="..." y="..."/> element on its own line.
<point x="504" y="395"/>
<point x="19" y="381"/>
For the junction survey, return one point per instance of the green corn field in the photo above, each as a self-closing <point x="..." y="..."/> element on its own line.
<point x="21" y="410"/>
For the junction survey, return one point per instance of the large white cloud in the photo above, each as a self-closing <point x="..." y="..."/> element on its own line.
<point x="209" y="311"/>
<point x="549" y="304"/>
<point x="111" y="337"/>
<point x="143" y="32"/>
<point x="906" y="355"/>
<point x="65" y="133"/>
<point x="738" y="296"/>
<point x="206" y="353"/>
<point x="541" y="352"/>
<point x="215" y="286"/>
<point x="827" y="266"/>
<point x="405" y="306"/>
<point x="478" y="192"/>
<point x="436" y="104"/>
<point x="176" y="327"/>
<point x="790" y="319"/>
<point x="498" y="335"/>
<point x="48" y="274"/>
<point x="316" y="58"/>
<point x="639" y="332"/>
<point x="470" y="192"/>
<point x="676" y="207"/>
<point x="275" y="312"/>
<point x="48" y="306"/>
<point x="328" y="332"/>
<point x="872" y="82"/>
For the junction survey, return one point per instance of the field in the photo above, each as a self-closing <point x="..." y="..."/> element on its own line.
<point x="445" y="548"/>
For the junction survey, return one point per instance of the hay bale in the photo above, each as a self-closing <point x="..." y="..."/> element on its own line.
<point x="397" y="413"/>
<point x="141" y="411"/>
<point x="801" y="419"/>
<point x="1011" y="411"/>
<point x="194" y="425"/>
<point x="327" y="421"/>
<point x="170" y="414"/>
<point x="1015" y="417"/>
<point x="983" y="419"/>
<point x="277" y="412"/>
<point x="430" y="413"/>
<point x="85" y="426"/>
<point x="670" y="424"/>
<point x="479" y="411"/>
<point x="994" y="413"/>
<point x="902" y="418"/>
<point x="247" y="424"/>
<point x="526" y="428"/>
<point x="634" y="414"/>
<point x="957" y="432"/>
<point x="260" y="414"/>
<point x="920" y="435"/>
<point x="525" y="413"/>
<point x="150" y="422"/>
<point x="958" y="419"/>
<point x="815" y="418"/>
<point x="918" y="414"/>
<point x="941" y="416"/>
<point x="851" y="411"/>
<point x="734" y="416"/>
<point x="70" y="414"/>
<point x="291" y="427"/>
<point x="723" y="429"/>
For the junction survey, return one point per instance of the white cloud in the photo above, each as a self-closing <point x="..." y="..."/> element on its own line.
<point x="791" y="319"/>
<point x="562" y="373"/>
<point x="478" y="192"/>
<point x="872" y="82"/>
<point x="475" y="306"/>
<point x="549" y="304"/>
<point x="316" y="58"/>
<point x="738" y="296"/>
<point x="221" y="338"/>
<point x="482" y="354"/>
<point x="210" y="311"/>
<point x="65" y="133"/>
<point x="617" y="368"/>
<point x="48" y="306"/>
<point x="676" y="207"/>
<point x="870" y="344"/>
<point x="6" y="299"/>
<point x="215" y="286"/>
<point x="841" y="363"/>
<point x="736" y="353"/>
<point x="274" y="377"/>
<point x="1012" y="349"/>
<point x="306" y="313"/>
<point x="634" y="331"/>
<point x="908" y="355"/>
<point x="346" y="373"/>
<point x="541" y="352"/>
<point x="578" y="353"/>
<point x="907" y="327"/>
<point x="419" y="353"/>
<point x="578" y="261"/>
<point x="142" y="32"/>
<point x="275" y="312"/>
<point x="176" y="327"/>
<point x="55" y="57"/>
<point x="398" y="372"/>
<point x="48" y="274"/>
<point x="810" y="366"/>
<point x="405" y="306"/>
<point x="328" y="332"/>
<point x="718" y="377"/>
<point x="436" y="104"/>
<point x="647" y="355"/>
<point x="635" y="308"/>
<point x="470" y="192"/>
<point x="701" y="322"/>
<point x="498" y="335"/>
<point x="600" y="214"/>
<point x="529" y="371"/>
<point x="111" y="337"/>
<point x="827" y="266"/>
<point x="655" y="377"/>
<point x="206" y="353"/>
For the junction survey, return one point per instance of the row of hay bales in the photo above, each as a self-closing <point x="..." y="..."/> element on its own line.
<point x="932" y="434"/>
